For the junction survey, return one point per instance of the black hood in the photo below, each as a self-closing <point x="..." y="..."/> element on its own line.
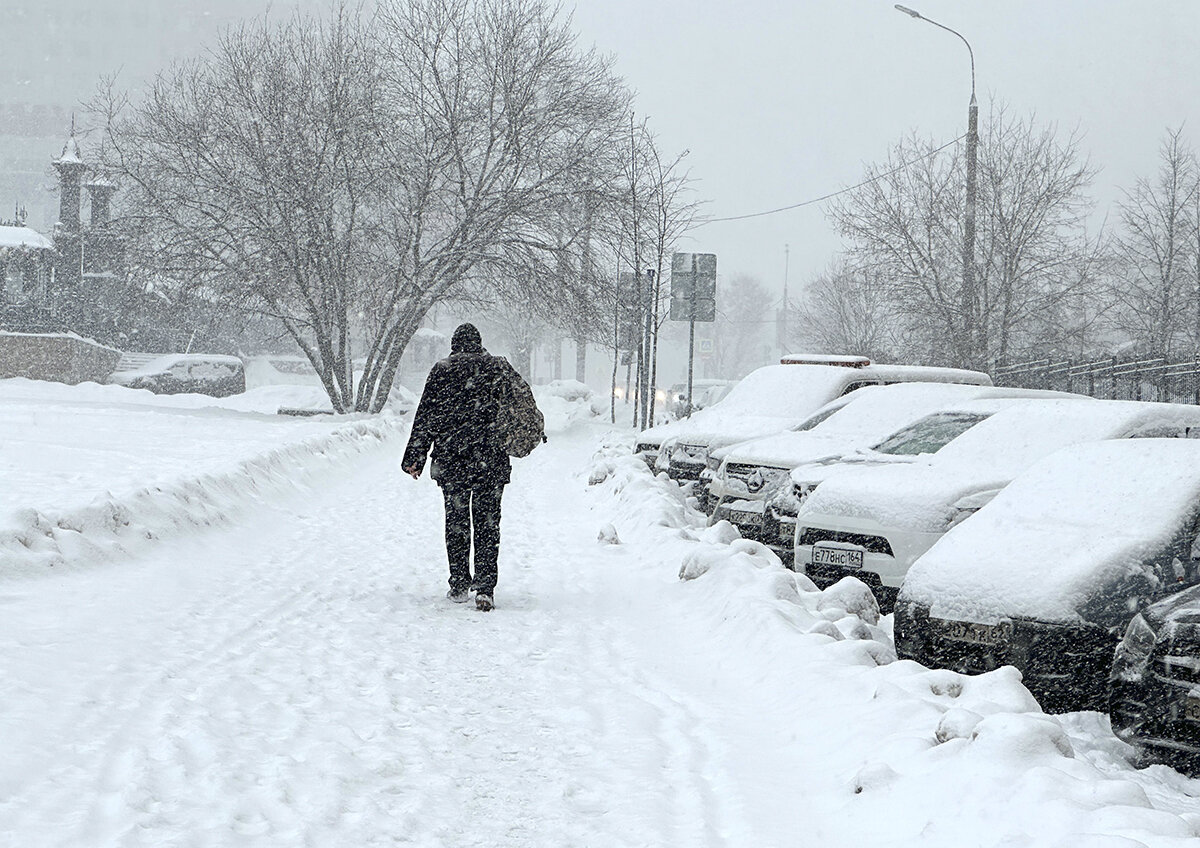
<point x="466" y="339"/>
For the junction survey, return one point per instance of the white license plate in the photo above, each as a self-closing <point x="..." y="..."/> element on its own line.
<point x="1191" y="708"/>
<point x="745" y="517"/>
<point x="968" y="631"/>
<point x="838" y="557"/>
<point x="787" y="532"/>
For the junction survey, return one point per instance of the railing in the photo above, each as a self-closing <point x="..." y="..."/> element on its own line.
<point x="1154" y="379"/>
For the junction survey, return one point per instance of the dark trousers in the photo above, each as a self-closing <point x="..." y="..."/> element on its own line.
<point x="472" y="508"/>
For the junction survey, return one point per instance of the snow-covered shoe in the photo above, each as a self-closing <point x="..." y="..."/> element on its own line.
<point x="459" y="596"/>
<point x="483" y="602"/>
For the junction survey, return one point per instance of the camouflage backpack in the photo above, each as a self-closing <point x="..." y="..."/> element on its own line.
<point x="520" y="422"/>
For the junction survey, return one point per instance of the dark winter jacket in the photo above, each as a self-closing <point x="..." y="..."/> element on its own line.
<point x="456" y="417"/>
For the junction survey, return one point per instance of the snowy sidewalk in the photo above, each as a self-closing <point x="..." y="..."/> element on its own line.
<point x="296" y="678"/>
<point x="302" y="681"/>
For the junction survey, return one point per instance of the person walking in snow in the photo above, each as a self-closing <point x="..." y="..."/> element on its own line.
<point x="457" y="419"/>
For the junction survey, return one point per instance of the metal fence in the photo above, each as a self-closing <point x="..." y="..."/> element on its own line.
<point x="1117" y="379"/>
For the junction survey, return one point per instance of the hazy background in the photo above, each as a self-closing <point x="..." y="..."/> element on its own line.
<point x="778" y="102"/>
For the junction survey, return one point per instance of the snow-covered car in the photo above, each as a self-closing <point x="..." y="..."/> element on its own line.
<point x="751" y="473"/>
<point x="1154" y="703"/>
<point x="187" y="373"/>
<point x="909" y="445"/>
<point x="772" y="399"/>
<point x="874" y="522"/>
<point x="707" y="392"/>
<point x="1047" y="576"/>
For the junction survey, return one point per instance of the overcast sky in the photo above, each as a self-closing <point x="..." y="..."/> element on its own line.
<point x="783" y="101"/>
<point x="779" y="101"/>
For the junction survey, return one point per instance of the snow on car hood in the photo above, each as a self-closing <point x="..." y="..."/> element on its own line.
<point x="1076" y="524"/>
<point x="789" y="448"/>
<point x="914" y="495"/>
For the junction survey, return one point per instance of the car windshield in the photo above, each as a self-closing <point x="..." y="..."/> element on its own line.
<point x="816" y="418"/>
<point x="930" y="434"/>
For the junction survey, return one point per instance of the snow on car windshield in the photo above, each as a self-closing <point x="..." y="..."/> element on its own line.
<point x="930" y="434"/>
<point x="1077" y="520"/>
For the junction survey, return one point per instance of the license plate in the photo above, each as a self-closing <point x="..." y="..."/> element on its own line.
<point x="968" y="631"/>
<point x="787" y="532"/>
<point x="837" y="557"/>
<point x="745" y="517"/>
<point x="1191" y="708"/>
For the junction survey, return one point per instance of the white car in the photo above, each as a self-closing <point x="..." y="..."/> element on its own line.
<point x="772" y="399"/>
<point x="752" y="472"/>
<point x="873" y="523"/>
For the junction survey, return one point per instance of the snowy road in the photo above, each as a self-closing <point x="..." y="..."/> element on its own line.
<point x="294" y="677"/>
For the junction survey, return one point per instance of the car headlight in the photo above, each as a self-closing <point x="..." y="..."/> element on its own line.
<point x="1134" y="650"/>
<point x="713" y="464"/>
<point x="788" y="499"/>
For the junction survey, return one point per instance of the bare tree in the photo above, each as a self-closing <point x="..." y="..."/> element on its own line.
<point x="345" y="177"/>
<point x="738" y="331"/>
<point x="1156" y="251"/>
<point x="905" y="229"/>
<point x="848" y="311"/>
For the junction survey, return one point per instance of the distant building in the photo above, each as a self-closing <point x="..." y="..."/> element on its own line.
<point x="26" y="272"/>
<point x="76" y="278"/>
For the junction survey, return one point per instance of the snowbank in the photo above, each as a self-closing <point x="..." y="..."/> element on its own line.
<point x="34" y="539"/>
<point x="924" y="756"/>
<point x="564" y="403"/>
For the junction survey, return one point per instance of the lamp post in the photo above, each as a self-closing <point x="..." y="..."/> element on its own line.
<point x="971" y="331"/>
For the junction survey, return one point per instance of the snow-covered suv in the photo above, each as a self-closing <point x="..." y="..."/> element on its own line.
<point x="1048" y="575"/>
<point x="772" y="399"/>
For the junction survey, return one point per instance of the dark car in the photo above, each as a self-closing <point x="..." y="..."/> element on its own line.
<point x="1155" y="700"/>
<point x="1047" y="576"/>
<point x="187" y="373"/>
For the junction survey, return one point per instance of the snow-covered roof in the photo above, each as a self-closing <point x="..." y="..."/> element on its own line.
<point x="987" y="457"/>
<point x="767" y="400"/>
<point x="1072" y="525"/>
<point x="70" y="153"/>
<point x="24" y="237"/>
<point x="1013" y="439"/>
<point x="429" y="333"/>
<point x="164" y="362"/>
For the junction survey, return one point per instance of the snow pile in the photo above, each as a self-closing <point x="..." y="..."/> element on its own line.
<point x="564" y="403"/>
<point x="33" y="539"/>
<point x="742" y="574"/>
<point x="640" y="501"/>
<point x="900" y="754"/>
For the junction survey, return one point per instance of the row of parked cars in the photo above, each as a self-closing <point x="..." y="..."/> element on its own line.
<point x="1053" y="532"/>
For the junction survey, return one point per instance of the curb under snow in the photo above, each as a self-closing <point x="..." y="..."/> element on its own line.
<point x="112" y="526"/>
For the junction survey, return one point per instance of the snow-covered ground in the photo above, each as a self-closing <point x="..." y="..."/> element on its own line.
<point x="285" y="670"/>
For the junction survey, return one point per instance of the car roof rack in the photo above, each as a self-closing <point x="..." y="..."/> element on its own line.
<point x="824" y="359"/>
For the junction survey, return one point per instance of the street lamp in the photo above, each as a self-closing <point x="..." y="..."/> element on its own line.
<point x="974" y="340"/>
